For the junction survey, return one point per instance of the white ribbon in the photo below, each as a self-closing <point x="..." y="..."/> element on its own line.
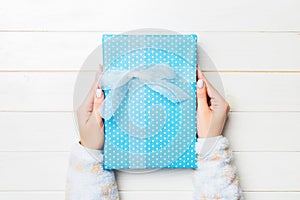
<point x="160" y="78"/>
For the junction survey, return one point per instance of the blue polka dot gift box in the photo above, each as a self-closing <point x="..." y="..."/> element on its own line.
<point x="149" y="111"/>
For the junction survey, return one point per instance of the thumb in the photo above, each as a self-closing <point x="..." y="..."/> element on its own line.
<point x="98" y="100"/>
<point x="202" y="96"/>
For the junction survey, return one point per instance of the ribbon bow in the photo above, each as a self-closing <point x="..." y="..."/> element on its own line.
<point x="159" y="78"/>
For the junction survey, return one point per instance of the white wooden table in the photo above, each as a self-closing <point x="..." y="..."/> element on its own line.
<point x="251" y="46"/>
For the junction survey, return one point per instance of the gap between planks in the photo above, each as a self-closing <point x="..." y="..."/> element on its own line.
<point x="221" y="71"/>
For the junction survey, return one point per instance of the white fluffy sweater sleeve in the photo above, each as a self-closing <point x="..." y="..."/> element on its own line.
<point x="216" y="177"/>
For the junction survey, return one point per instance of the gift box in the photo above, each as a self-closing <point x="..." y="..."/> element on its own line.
<point x="149" y="111"/>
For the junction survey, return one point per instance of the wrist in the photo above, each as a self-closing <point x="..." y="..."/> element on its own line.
<point x="94" y="147"/>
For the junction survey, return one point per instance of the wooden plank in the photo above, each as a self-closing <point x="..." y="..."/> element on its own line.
<point x="37" y="91"/>
<point x="263" y="131"/>
<point x="48" y="51"/>
<point x="258" y="91"/>
<point x="46" y="171"/>
<point x="59" y="51"/>
<point x="33" y="170"/>
<point x="56" y="131"/>
<point x="54" y="91"/>
<point x="38" y="131"/>
<point x="179" y="195"/>
<point x="249" y="51"/>
<point x="272" y="195"/>
<point x="32" y="195"/>
<point x="256" y="173"/>
<point x="145" y="195"/>
<point x="190" y="15"/>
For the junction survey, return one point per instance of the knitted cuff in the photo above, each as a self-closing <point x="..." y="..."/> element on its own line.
<point x="86" y="154"/>
<point x="205" y="146"/>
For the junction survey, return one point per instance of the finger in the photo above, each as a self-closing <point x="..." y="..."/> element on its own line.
<point x="200" y="75"/>
<point x="98" y="100"/>
<point x="211" y="90"/>
<point x="88" y="102"/>
<point x="201" y="96"/>
<point x="216" y="99"/>
<point x="99" y="75"/>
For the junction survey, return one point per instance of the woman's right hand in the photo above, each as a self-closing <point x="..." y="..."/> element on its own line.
<point x="212" y="108"/>
<point x="90" y="123"/>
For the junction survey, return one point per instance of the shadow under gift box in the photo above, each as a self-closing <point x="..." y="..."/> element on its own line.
<point x="149" y="112"/>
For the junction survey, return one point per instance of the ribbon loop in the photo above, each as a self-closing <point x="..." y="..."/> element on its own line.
<point x="159" y="78"/>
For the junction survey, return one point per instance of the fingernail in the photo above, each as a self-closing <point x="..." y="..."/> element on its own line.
<point x="200" y="83"/>
<point x="98" y="93"/>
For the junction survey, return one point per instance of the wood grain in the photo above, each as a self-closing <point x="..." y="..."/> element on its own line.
<point x="146" y="195"/>
<point x="248" y="49"/>
<point x="47" y="171"/>
<point x="57" y="91"/>
<point x="57" y="131"/>
<point x="192" y="15"/>
<point x="231" y="51"/>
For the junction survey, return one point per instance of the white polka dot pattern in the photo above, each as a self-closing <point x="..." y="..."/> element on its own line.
<point x="148" y="130"/>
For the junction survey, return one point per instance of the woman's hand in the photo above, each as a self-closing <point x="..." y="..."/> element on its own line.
<point x="212" y="108"/>
<point x="90" y="123"/>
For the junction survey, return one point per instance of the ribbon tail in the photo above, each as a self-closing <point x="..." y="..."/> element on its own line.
<point x="113" y="79"/>
<point x="112" y="102"/>
<point x="169" y="90"/>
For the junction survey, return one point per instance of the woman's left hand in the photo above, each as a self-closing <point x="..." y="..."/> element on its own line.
<point x="90" y="123"/>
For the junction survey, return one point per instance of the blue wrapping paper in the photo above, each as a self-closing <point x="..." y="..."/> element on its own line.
<point x="149" y="84"/>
